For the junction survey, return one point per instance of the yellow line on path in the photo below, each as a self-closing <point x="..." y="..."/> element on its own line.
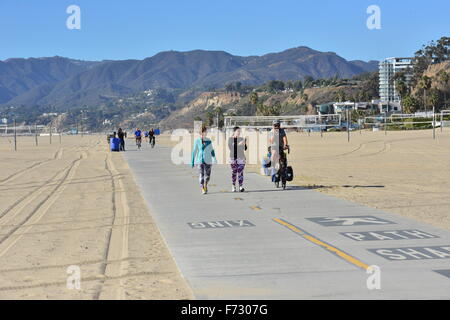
<point x="326" y="246"/>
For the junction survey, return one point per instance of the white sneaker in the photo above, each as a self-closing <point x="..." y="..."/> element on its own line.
<point x="233" y="189"/>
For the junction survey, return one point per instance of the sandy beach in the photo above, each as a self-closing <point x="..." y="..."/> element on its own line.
<point x="76" y="204"/>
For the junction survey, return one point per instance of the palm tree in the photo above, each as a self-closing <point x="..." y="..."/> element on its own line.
<point x="304" y="97"/>
<point x="434" y="97"/>
<point x="254" y="98"/>
<point x="402" y="89"/>
<point x="410" y="104"/>
<point x="443" y="78"/>
<point x="219" y="112"/>
<point x="425" y="84"/>
<point x="209" y="118"/>
<point x="340" y="96"/>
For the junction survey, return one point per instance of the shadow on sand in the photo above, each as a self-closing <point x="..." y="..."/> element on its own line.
<point x="343" y="186"/>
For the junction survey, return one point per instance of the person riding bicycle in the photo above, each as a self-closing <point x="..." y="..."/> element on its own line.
<point x="151" y="136"/>
<point x="138" y="136"/>
<point x="278" y="144"/>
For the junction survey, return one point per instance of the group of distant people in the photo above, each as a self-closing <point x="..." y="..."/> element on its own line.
<point x="121" y="135"/>
<point x="149" y="136"/>
<point x="119" y="138"/>
<point x="203" y="155"/>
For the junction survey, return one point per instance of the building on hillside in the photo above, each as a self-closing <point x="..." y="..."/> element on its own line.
<point x="387" y="106"/>
<point x="387" y="70"/>
<point x="339" y="107"/>
<point x="342" y="106"/>
<point x="326" y="108"/>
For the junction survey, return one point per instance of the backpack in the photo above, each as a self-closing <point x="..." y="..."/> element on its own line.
<point x="289" y="173"/>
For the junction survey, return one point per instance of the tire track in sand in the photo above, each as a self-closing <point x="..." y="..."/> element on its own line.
<point x="57" y="156"/>
<point x="12" y="237"/>
<point x="117" y="246"/>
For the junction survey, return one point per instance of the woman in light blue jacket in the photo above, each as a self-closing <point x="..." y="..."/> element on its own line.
<point x="203" y="156"/>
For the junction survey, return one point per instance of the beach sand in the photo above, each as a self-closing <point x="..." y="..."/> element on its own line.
<point x="76" y="204"/>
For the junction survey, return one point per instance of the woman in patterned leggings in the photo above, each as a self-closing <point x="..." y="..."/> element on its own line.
<point x="237" y="146"/>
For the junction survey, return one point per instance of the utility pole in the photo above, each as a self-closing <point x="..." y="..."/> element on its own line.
<point x="385" y="123"/>
<point x="434" y="123"/>
<point x="81" y="123"/>
<point x="15" y="136"/>
<point x="348" y="124"/>
<point x="35" y="134"/>
<point x="218" y="134"/>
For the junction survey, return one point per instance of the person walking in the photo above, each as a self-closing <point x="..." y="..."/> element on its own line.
<point x="278" y="144"/>
<point x="121" y="136"/>
<point x="237" y="147"/>
<point x="203" y="156"/>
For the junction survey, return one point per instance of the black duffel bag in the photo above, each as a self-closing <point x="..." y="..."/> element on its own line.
<point x="289" y="173"/>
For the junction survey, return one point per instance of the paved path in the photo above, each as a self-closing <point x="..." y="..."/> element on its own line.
<point x="292" y="244"/>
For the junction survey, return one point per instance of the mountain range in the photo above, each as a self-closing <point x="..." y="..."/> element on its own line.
<point x="64" y="83"/>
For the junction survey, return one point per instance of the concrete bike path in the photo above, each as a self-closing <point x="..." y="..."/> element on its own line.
<point x="293" y="244"/>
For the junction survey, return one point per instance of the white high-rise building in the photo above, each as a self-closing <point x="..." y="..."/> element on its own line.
<point x="388" y="68"/>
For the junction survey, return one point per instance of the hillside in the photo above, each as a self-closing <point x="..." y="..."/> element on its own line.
<point x="34" y="78"/>
<point x="239" y="104"/>
<point x="184" y="117"/>
<point x="433" y="71"/>
<point x="66" y="83"/>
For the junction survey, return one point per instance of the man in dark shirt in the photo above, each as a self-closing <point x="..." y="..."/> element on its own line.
<point x="121" y="136"/>
<point x="151" y="135"/>
<point x="278" y="142"/>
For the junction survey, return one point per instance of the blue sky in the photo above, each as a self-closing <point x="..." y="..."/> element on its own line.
<point x="136" y="29"/>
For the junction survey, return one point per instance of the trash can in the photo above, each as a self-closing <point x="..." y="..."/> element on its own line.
<point x="115" y="144"/>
